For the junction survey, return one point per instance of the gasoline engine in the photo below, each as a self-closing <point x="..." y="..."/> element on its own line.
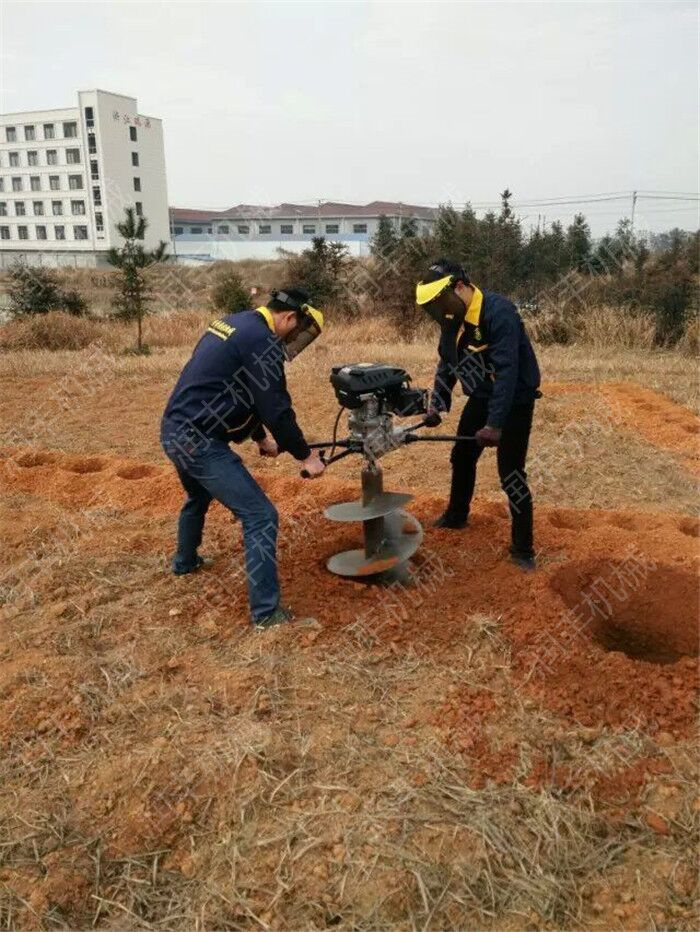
<point x="373" y="394"/>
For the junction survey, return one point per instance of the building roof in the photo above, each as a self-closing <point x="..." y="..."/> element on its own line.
<point x="325" y="209"/>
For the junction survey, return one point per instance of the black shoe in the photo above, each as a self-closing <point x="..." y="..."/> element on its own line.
<point x="447" y="520"/>
<point x="201" y="562"/>
<point x="524" y="562"/>
<point x="280" y="616"/>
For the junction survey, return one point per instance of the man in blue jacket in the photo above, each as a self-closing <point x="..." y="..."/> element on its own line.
<point x="234" y="388"/>
<point x="484" y="346"/>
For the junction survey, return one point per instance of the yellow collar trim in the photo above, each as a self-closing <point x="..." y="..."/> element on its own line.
<point x="267" y="314"/>
<point x="474" y="309"/>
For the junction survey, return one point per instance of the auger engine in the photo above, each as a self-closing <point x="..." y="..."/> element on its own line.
<point x="373" y="394"/>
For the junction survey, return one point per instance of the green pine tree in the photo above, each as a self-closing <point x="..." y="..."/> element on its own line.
<point x="132" y="258"/>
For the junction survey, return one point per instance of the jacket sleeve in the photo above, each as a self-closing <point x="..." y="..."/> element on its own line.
<point x="271" y="400"/>
<point x="504" y="341"/>
<point x="445" y="379"/>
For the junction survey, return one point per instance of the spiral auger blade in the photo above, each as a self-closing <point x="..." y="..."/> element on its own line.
<point x="391" y="535"/>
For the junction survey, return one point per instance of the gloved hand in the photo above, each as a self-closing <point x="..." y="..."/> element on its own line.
<point x="432" y="418"/>
<point x="268" y="447"/>
<point x="313" y="466"/>
<point x="488" y="436"/>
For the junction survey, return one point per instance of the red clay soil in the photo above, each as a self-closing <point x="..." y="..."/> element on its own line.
<point x="635" y="656"/>
<point x="659" y="420"/>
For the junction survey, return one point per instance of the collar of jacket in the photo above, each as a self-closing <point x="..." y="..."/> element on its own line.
<point x="473" y="315"/>
<point x="266" y="314"/>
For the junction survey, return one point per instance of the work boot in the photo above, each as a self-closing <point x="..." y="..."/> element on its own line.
<point x="446" y="520"/>
<point x="201" y="562"/>
<point x="280" y="616"/>
<point x="525" y="562"/>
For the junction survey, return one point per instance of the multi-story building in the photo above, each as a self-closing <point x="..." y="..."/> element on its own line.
<point x="67" y="175"/>
<point x="247" y="231"/>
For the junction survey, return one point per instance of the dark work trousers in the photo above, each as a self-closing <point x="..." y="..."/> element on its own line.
<point x="511" y="454"/>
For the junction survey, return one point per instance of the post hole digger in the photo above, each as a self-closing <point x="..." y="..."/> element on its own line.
<point x="373" y="393"/>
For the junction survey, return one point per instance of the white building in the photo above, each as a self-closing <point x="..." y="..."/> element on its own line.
<point x="247" y="231"/>
<point x="67" y="175"/>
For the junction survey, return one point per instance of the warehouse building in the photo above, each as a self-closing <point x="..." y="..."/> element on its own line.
<point x="248" y="231"/>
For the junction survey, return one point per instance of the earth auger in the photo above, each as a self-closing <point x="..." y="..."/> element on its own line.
<point x="373" y="393"/>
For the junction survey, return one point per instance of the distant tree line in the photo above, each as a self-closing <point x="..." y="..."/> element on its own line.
<point x="549" y="266"/>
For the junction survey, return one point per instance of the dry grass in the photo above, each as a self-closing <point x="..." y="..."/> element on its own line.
<point x="338" y="804"/>
<point x="600" y="327"/>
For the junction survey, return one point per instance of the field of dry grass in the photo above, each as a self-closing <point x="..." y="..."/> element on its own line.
<point x="162" y="767"/>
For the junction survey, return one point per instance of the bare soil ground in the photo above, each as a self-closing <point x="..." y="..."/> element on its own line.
<point x="486" y="749"/>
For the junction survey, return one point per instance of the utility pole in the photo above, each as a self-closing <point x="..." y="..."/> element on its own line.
<point x="634" y="206"/>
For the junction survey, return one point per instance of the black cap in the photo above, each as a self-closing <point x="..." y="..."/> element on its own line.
<point x="442" y="267"/>
<point x="288" y="299"/>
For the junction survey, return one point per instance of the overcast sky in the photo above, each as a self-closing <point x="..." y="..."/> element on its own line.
<point x="417" y="102"/>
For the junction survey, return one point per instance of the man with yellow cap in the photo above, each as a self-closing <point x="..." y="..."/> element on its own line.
<point x="233" y="388"/>
<point x="484" y="346"/>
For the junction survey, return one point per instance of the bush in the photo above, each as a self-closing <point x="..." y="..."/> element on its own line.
<point x="54" y="330"/>
<point x="229" y="293"/>
<point x="37" y="291"/>
<point x="324" y="271"/>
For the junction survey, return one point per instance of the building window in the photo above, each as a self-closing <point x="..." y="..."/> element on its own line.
<point x="80" y="233"/>
<point x="97" y="197"/>
<point x="20" y="209"/>
<point x="41" y="232"/>
<point x="332" y="228"/>
<point x="75" y="182"/>
<point x="10" y="134"/>
<point x="179" y="231"/>
<point x="16" y="184"/>
<point x="29" y="133"/>
<point x="224" y="229"/>
<point x="209" y="230"/>
<point x="94" y="170"/>
<point x="32" y="158"/>
<point x="51" y="157"/>
<point x="57" y="208"/>
<point x="286" y="228"/>
<point x="135" y="159"/>
<point x="359" y="228"/>
<point x="132" y="133"/>
<point x="23" y="232"/>
<point x="264" y="229"/>
<point x="137" y="184"/>
<point x="99" y="222"/>
<point x="2" y="184"/>
<point x="70" y="130"/>
<point x="243" y="229"/>
<point x="92" y="144"/>
<point x="3" y="208"/>
<point x="139" y="208"/>
<point x="38" y="208"/>
<point x="308" y="228"/>
<point x="77" y="208"/>
<point x="195" y="229"/>
<point x="73" y="156"/>
<point x="4" y="232"/>
<point x="14" y="159"/>
<point x="54" y="183"/>
<point x="35" y="183"/>
<point x="89" y="114"/>
<point x="49" y="131"/>
<point x="60" y="232"/>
